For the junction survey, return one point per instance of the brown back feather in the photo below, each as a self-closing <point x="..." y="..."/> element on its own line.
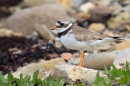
<point x="83" y="34"/>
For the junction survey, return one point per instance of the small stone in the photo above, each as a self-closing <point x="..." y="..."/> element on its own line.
<point x="99" y="27"/>
<point x="86" y="7"/>
<point x="121" y="28"/>
<point x="115" y="7"/>
<point x="122" y="9"/>
<point x="71" y="73"/>
<point x="77" y="3"/>
<point x="125" y="2"/>
<point x="82" y="16"/>
<point x="122" y="57"/>
<point x="101" y="2"/>
<point x="127" y="27"/>
<point x="100" y="14"/>
<point x="66" y="56"/>
<point x="51" y="56"/>
<point x="8" y="33"/>
<point x="44" y="32"/>
<point x="74" y="61"/>
<point x="119" y="20"/>
<point x="127" y="35"/>
<point x="33" y="2"/>
<point x="108" y="32"/>
<point x="15" y="9"/>
<point x="65" y="3"/>
<point x="58" y="44"/>
<point x="34" y="36"/>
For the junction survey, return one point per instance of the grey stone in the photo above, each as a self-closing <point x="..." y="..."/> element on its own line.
<point x="122" y="57"/>
<point x="77" y="3"/>
<point x="98" y="60"/>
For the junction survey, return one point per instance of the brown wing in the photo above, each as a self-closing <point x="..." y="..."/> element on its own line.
<point x="83" y="34"/>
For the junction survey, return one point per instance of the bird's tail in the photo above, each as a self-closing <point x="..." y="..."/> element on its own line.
<point x="114" y="39"/>
<point x="118" y="39"/>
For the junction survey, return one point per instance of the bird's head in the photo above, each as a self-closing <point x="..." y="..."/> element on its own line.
<point x="62" y="26"/>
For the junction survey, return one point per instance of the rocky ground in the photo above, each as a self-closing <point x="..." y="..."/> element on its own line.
<point x="26" y="39"/>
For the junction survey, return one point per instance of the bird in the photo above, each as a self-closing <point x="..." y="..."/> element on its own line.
<point x="75" y="37"/>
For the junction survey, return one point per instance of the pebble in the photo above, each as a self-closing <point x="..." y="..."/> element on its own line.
<point x="9" y="33"/>
<point x="119" y="20"/>
<point x="77" y="3"/>
<point x="100" y="14"/>
<point x="66" y="56"/>
<point x="44" y="32"/>
<point x="33" y="2"/>
<point x="99" y="27"/>
<point x="86" y="7"/>
<point x="82" y="16"/>
<point x="101" y="2"/>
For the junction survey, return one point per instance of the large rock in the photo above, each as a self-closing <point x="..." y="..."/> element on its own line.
<point x="24" y="20"/>
<point x="122" y="57"/>
<point x="71" y="73"/>
<point x="98" y="60"/>
<point x="42" y="66"/>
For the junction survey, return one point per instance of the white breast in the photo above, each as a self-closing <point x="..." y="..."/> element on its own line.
<point x="70" y="42"/>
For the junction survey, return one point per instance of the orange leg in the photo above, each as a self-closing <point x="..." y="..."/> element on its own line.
<point x="81" y="63"/>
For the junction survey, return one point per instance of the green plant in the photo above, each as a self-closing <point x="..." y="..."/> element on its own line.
<point x="35" y="81"/>
<point x="79" y="84"/>
<point x="114" y="77"/>
<point x="26" y="81"/>
<point x="49" y="82"/>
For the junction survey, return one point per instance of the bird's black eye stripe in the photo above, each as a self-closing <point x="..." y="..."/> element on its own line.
<point x="59" y="22"/>
<point x="62" y="24"/>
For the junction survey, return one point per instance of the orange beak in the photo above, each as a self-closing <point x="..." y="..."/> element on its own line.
<point x="54" y="28"/>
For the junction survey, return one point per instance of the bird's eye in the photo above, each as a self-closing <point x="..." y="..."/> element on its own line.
<point x="59" y="22"/>
<point x="62" y="24"/>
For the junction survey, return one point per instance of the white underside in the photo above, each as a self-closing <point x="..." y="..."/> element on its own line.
<point x="70" y="42"/>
